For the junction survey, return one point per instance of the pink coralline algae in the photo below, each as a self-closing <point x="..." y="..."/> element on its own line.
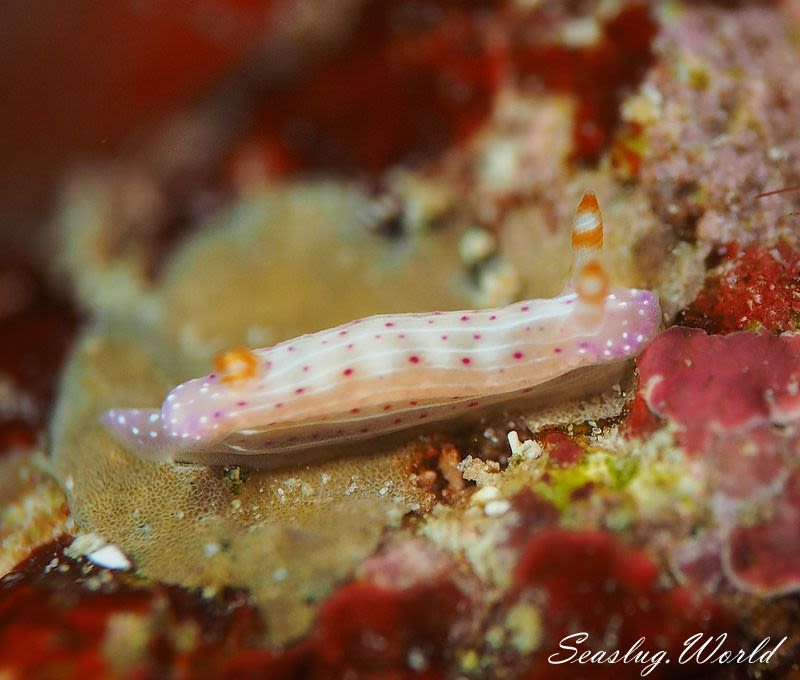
<point x="725" y="394"/>
<point x="709" y="385"/>
<point x="752" y="502"/>
<point x="755" y="287"/>
<point x="753" y="544"/>
<point x="727" y="87"/>
<point x="764" y="558"/>
<point x="406" y="563"/>
<point x="589" y="582"/>
<point x="53" y="625"/>
<point x="533" y="514"/>
<point x="562" y="450"/>
<point x="368" y="631"/>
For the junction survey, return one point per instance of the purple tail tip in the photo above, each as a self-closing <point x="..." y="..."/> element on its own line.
<point x="139" y="431"/>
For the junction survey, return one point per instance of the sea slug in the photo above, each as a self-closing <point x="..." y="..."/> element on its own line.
<point x="387" y="373"/>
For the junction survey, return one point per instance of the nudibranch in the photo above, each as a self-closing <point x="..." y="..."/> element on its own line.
<point x="390" y="372"/>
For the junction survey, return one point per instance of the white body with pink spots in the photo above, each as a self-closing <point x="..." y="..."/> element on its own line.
<point x="387" y="373"/>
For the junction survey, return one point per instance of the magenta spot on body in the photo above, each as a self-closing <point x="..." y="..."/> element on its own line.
<point x="217" y="414"/>
<point x="342" y="332"/>
<point x="279" y="404"/>
<point x="528" y="329"/>
<point x="444" y="337"/>
<point x="524" y="308"/>
<point x="465" y="317"/>
<point x="413" y="403"/>
<point x="300" y="390"/>
<point x="493" y="317"/>
<point x="389" y="324"/>
<point x="518" y="355"/>
<point x="347" y="371"/>
<point x="430" y="321"/>
<point x="413" y="359"/>
<point x="558" y="350"/>
<point x="350" y="345"/>
<point x="290" y="348"/>
<point x="378" y="337"/>
<point x="355" y="410"/>
<point x="212" y="376"/>
<point x="583" y="345"/>
<point x="466" y="361"/>
<point x="305" y="369"/>
<point x="241" y="403"/>
<point x="477" y="336"/>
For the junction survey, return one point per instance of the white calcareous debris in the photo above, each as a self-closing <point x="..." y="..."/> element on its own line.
<point x="485" y="495"/>
<point x="99" y="552"/>
<point x="211" y="549"/>
<point x="529" y="449"/>
<point x="476" y="245"/>
<point x="497" y="508"/>
<point x="645" y="107"/>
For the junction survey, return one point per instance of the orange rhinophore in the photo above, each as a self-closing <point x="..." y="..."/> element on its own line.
<point x="587" y="233"/>
<point x="234" y="365"/>
<point x="591" y="283"/>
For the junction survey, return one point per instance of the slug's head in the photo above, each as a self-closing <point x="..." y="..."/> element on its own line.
<point x="626" y="323"/>
<point x="626" y="319"/>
